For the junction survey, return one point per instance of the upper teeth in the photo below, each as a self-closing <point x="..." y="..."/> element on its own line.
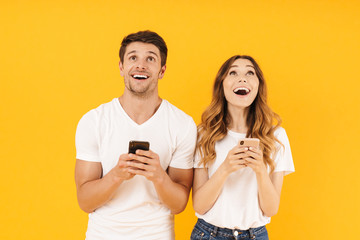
<point x="242" y="88"/>
<point x="139" y="76"/>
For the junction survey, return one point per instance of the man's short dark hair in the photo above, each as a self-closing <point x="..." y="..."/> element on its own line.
<point x="145" y="37"/>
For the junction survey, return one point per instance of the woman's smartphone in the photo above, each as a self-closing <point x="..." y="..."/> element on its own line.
<point x="135" y="145"/>
<point x="250" y="142"/>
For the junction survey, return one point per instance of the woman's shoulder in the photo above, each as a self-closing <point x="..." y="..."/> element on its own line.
<point x="280" y="134"/>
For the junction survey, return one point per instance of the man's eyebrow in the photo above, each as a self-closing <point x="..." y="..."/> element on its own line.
<point x="134" y="51"/>
<point x="151" y="52"/>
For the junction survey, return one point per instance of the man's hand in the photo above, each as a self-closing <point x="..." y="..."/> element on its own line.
<point x="121" y="170"/>
<point x="147" y="164"/>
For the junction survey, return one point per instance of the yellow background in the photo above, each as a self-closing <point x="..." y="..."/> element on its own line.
<point x="59" y="59"/>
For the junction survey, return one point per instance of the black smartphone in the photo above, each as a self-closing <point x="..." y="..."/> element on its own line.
<point x="135" y="145"/>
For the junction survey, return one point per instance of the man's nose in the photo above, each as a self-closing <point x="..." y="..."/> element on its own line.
<point x="141" y="64"/>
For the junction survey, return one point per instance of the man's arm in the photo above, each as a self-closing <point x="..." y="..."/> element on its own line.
<point x="173" y="187"/>
<point x="93" y="190"/>
<point x="174" y="192"/>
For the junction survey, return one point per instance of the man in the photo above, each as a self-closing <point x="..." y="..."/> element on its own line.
<point x="134" y="196"/>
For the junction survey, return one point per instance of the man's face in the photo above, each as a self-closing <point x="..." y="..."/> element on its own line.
<point x="141" y="68"/>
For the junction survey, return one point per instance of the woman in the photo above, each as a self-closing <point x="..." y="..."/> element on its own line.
<point x="237" y="188"/>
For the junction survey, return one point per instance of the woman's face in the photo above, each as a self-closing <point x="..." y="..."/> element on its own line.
<point x="241" y="84"/>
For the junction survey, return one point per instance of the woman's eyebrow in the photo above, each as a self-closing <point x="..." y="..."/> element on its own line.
<point x="250" y="66"/>
<point x="245" y="66"/>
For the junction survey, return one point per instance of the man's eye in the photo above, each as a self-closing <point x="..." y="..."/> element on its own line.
<point x="133" y="58"/>
<point x="151" y="59"/>
<point x="232" y="73"/>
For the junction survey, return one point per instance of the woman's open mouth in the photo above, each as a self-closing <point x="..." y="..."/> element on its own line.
<point x="241" y="91"/>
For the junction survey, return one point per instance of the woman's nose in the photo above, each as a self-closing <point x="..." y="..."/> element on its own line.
<point x="242" y="80"/>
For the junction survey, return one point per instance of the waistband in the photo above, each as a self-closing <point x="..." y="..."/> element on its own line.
<point x="214" y="230"/>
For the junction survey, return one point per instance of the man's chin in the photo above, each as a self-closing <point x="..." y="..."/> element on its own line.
<point x="139" y="91"/>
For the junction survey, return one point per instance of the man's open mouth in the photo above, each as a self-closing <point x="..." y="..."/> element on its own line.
<point x="241" y="91"/>
<point x="140" y="76"/>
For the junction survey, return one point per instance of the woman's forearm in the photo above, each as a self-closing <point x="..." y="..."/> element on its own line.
<point x="205" y="196"/>
<point x="269" y="194"/>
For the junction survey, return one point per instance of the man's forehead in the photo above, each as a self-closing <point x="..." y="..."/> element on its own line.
<point x="140" y="47"/>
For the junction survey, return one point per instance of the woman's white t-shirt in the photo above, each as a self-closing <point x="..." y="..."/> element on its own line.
<point x="238" y="204"/>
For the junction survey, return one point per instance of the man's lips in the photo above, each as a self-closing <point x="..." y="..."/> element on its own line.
<point x="140" y="76"/>
<point x="241" y="91"/>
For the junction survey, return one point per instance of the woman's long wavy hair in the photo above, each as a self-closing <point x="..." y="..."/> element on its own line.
<point x="261" y="120"/>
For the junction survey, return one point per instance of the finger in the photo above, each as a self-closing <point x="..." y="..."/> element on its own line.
<point x="240" y="156"/>
<point x="123" y="163"/>
<point x="255" y="150"/>
<point x="255" y="155"/>
<point x="238" y="150"/>
<point x="141" y="159"/>
<point x="125" y="157"/>
<point x="250" y="160"/>
<point x="146" y="153"/>
<point x="135" y="164"/>
<point x="240" y="161"/>
<point x="136" y="171"/>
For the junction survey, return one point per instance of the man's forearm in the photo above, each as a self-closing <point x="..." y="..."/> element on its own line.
<point x="93" y="194"/>
<point x="174" y="195"/>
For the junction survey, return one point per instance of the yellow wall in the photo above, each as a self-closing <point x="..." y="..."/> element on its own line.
<point x="59" y="60"/>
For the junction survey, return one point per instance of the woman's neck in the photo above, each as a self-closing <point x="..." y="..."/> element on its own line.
<point x="238" y="119"/>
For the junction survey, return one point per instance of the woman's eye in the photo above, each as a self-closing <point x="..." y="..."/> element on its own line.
<point x="133" y="58"/>
<point x="250" y="73"/>
<point x="232" y="73"/>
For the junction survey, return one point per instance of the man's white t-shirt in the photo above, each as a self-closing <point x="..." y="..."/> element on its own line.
<point x="135" y="211"/>
<point x="237" y="206"/>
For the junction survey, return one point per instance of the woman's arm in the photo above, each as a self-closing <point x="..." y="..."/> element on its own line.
<point x="269" y="186"/>
<point x="206" y="190"/>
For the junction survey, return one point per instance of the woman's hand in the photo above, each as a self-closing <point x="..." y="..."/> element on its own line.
<point x="254" y="160"/>
<point x="235" y="160"/>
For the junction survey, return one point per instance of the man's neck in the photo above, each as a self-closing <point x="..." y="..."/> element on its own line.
<point x="140" y="109"/>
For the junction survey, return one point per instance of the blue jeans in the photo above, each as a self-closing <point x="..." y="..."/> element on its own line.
<point x="207" y="231"/>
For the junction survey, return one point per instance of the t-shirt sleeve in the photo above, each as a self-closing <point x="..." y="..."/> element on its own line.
<point x="86" y="139"/>
<point x="183" y="155"/>
<point x="283" y="158"/>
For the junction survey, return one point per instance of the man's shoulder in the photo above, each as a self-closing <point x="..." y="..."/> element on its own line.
<point x="101" y="110"/>
<point x="176" y="113"/>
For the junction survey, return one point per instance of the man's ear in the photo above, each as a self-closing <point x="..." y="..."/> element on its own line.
<point x="162" y="72"/>
<point x="121" y="69"/>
